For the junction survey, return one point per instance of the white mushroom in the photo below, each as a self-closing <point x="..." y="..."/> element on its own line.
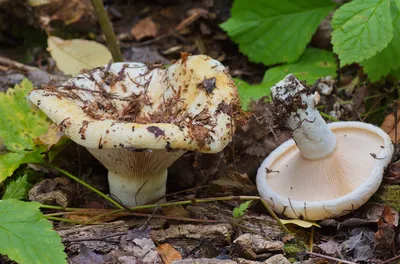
<point x="138" y="121"/>
<point x="325" y="170"/>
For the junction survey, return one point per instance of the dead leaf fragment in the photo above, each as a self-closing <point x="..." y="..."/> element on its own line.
<point x="144" y="28"/>
<point x="75" y="55"/>
<point x="389" y="126"/>
<point x="88" y="256"/>
<point x="168" y="253"/>
<point x="51" y="138"/>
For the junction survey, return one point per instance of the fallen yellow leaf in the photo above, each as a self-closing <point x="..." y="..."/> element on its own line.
<point x="298" y="222"/>
<point x="73" y="56"/>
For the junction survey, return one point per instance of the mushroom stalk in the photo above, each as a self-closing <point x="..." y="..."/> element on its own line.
<point x="312" y="135"/>
<point x="136" y="177"/>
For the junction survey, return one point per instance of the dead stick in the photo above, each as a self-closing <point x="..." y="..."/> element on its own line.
<point x="330" y="258"/>
<point x="391" y="259"/>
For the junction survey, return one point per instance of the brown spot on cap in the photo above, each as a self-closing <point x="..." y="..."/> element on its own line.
<point x="156" y="131"/>
<point x="208" y="84"/>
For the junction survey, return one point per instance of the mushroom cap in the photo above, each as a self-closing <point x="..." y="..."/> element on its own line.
<point x="187" y="105"/>
<point x="318" y="189"/>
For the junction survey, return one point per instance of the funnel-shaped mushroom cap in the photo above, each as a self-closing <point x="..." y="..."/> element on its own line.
<point x="317" y="189"/>
<point x="121" y="109"/>
<point x="126" y="105"/>
<point x="326" y="170"/>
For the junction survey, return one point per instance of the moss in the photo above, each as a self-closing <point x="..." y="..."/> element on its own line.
<point x="389" y="195"/>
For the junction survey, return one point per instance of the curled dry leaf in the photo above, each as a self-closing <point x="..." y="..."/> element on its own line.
<point x="144" y="28"/>
<point x="389" y="126"/>
<point x="73" y="56"/>
<point x="51" y="138"/>
<point x="168" y="253"/>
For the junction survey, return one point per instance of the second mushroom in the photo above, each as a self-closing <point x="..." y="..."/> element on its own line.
<point x="137" y="121"/>
<point x="325" y="170"/>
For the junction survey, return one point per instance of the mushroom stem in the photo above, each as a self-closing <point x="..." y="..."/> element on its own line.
<point x="136" y="177"/>
<point x="312" y="135"/>
<point x="134" y="191"/>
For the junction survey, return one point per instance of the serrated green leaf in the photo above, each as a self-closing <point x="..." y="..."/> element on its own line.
<point x="361" y="28"/>
<point x="248" y="92"/>
<point x="26" y="236"/>
<point x="389" y="58"/>
<point x="275" y="31"/>
<point x="239" y="211"/>
<point x="19" y="126"/>
<point x="312" y="65"/>
<point x="17" y="189"/>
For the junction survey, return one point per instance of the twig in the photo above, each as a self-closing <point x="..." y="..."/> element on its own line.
<point x="60" y="219"/>
<point x="186" y="202"/>
<point x="93" y="239"/>
<point x="66" y="173"/>
<point x="330" y="258"/>
<point x="391" y="259"/>
<point x="107" y="29"/>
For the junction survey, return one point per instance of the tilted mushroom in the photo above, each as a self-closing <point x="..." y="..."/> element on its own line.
<point x="137" y="121"/>
<point x="325" y="170"/>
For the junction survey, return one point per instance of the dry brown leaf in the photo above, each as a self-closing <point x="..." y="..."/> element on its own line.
<point x="176" y="211"/>
<point x="144" y="28"/>
<point x="389" y="125"/>
<point x="51" y="138"/>
<point x="67" y="11"/>
<point x="96" y="212"/>
<point x="168" y="253"/>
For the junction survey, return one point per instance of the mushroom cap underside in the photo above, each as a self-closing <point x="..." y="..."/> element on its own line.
<point x="188" y="105"/>
<point x="319" y="189"/>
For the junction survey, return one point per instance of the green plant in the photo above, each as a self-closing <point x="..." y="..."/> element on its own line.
<point x="241" y="209"/>
<point x="364" y="31"/>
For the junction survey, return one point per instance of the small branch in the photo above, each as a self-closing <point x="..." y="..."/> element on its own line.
<point x="330" y="258"/>
<point x="107" y="29"/>
<point x="66" y="173"/>
<point x="60" y="219"/>
<point x="391" y="260"/>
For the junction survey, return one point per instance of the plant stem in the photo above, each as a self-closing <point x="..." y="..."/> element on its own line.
<point x="272" y="213"/>
<point x="66" y="173"/>
<point x="54" y="207"/>
<point x="60" y="219"/>
<point x="107" y="29"/>
<point x="331" y="118"/>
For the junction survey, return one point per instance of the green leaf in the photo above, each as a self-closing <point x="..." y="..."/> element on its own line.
<point x="361" y="28"/>
<point x="19" y="126"/>
<point x="248" y="92"/>
<point x="275" y="31"/>
<point x="17" y="189"/>
<point x="312" y="65"/>
<point x="239" y="211"/>
<point x="26" y="236"/>
<point x="389" y="58"/>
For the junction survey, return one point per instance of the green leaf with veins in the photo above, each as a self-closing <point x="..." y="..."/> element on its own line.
<point x="17" y="189"/>
<point x="361" y="28"/>
<point x="382" y="63"/>
<point x="26" y="236"/>
<point x="275" y="31"/>
<point x="248" y="92"/>
<point x="312" y="65"/>
<point x="19" y="126"/>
